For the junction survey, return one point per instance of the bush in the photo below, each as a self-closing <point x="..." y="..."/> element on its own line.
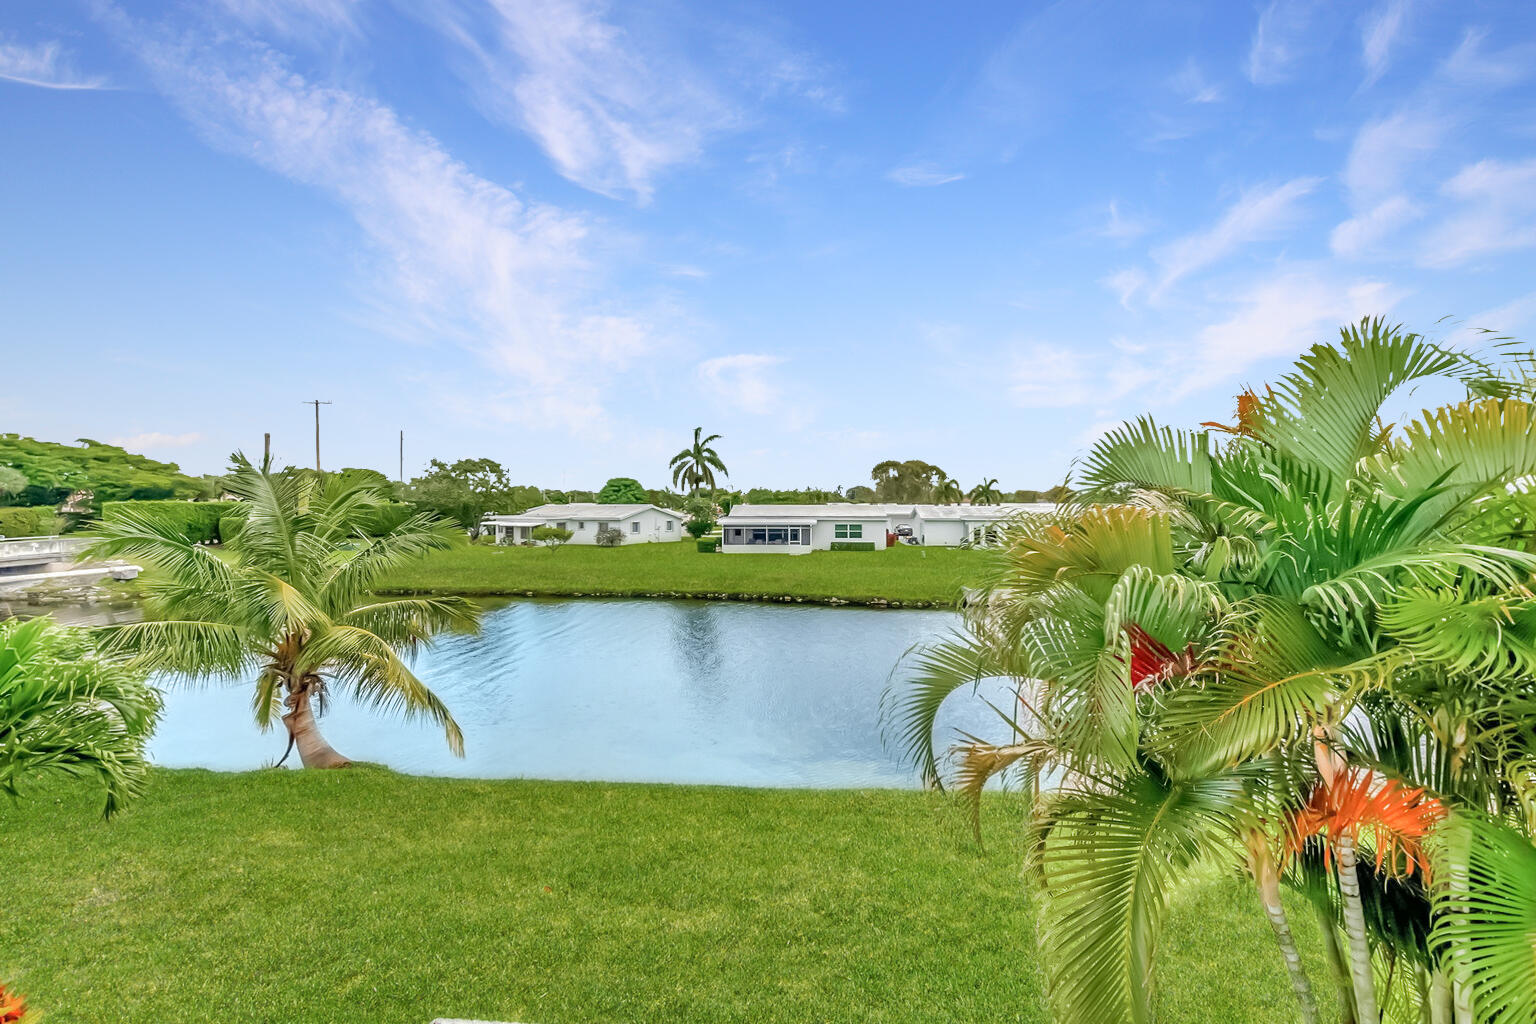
<point x="708" y="546"/>
<point x="551" y="536"/>
<point x="198" y="521"/>
<point x="621" y="490"/>
<point x="27" y="521"/>
<point x="608" y="537"/>
<point x="853" y="545"/>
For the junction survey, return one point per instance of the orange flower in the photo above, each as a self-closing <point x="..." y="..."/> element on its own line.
<point x="12" y="1007"/>
<point x="1394" y="817"/>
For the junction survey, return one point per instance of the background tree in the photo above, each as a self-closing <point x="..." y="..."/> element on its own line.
<point x="551" y="536"/>
<point x="913" y="480"/>
<point x="860" y="493"/>
<point x="12" y="482"/>
<point x="292" y="610"/>
<point x="702" y="516"/>
<point x="54" y="472"/>
<point x="467" y="491"/>
<point x="65" y="709"/>
<point x="985" y="493"/>
<point x="695" y="466"/>
<point x="621" y="490"/>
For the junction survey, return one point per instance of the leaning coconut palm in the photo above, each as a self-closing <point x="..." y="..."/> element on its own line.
<point x="292" y="608"/>
<point x="694" y="467"/>
<point x="65" y="709"/>
<point x="1316" y="598"/>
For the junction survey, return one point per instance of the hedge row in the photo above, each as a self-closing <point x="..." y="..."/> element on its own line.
<point x="853" y="545"/>
<point x="197" y="520"/>
<point x="28" y="521"/>
<point x="708" y="545"/>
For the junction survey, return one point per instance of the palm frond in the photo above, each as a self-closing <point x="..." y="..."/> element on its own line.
<point x="374" y="673"/>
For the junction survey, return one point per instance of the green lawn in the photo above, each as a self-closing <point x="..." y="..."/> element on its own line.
<point x="904" y="575"/>
<point x="364" y="896"/>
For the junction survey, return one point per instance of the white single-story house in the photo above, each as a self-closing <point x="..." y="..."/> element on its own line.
<point x="584" y="518"/>
<point x="797" y="529"/>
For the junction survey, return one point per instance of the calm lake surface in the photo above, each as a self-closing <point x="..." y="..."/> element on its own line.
<point x="614" y="690"/>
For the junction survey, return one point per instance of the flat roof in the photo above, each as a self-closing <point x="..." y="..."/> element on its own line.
<point x="581" y="510"/>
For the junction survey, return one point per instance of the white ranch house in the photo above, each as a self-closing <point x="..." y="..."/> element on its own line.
<point x="797" y="529"/>
<point x="584" y="518"/>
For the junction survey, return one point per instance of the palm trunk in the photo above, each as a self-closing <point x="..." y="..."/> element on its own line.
<point x="1363" y="979"/>
<point x="1330" y="929"/>
<point x="314" y="751"/>
<point x="1439" y="997"/>
<point x="1262" y="864"/>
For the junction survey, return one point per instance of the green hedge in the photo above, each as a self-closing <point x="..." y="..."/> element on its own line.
<point x="197" y="520"/>
<point x="229" y="528"/>
<point x="708" y="545"/>
<point x="28" y="521"/>
<point x="853" y="545"/>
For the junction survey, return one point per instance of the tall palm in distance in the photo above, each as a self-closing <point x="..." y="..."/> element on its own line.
<point x="292" y="611"/>
<point x="695" y="466"/>
<point x="986" y="493"/>
<point x="948" y="492"/>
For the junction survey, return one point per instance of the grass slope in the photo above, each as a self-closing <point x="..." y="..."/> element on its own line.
<point x="365" y="896"/>
<point x="903" y="575"/>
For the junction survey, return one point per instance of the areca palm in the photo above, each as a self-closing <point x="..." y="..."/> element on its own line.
<point x="65" y="709"/>
<point x="1315" y="598"/>
<point x="292" y="609"/>
<point x="695" y="466"/>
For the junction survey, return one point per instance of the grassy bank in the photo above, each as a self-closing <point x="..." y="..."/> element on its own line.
<point x="906" y="576"/>
<point x="367" y="896"/>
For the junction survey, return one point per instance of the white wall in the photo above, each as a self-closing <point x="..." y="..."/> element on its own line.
<point x="824" y="533"/>
<point x="943" y="533"/>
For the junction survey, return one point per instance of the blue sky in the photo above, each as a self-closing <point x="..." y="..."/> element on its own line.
<point x="561" y="234"/>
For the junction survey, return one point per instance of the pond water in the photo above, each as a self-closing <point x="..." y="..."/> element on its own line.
<point x="616" y="690"/>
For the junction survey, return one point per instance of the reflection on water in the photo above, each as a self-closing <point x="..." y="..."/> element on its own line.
<point x="739" y="694"/>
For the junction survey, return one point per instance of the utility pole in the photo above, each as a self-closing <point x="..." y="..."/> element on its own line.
<point x="266" y="450"/>
<point x="317" y="403"/>
<point x="402" y="456"/>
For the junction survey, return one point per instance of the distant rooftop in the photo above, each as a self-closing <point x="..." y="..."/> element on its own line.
<point x="584" y="510"/>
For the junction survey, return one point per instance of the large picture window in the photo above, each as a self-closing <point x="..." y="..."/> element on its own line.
<point x="848" y="531"/>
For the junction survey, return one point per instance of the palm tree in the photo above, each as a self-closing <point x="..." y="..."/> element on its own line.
<point x="986" y="493"/>
<point x="694" y="467"/>
<point x="66" y="709"/>
<point x="1319" y="632"/>
<point x="948" y="491"/>
<point x="293" y="609"/>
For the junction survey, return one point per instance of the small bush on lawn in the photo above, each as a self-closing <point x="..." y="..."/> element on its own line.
<point x="853" y="545"/>
<point x="551" y="536"/>
<point x="198" y="521"/>
<point x="608" y="537"/>
<point x="709" y="545"/>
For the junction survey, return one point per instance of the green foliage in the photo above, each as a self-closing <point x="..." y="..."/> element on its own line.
<point x="65" y="709"/>
<point x="708" y="546"/>
<point x="550" y="536"/>
<point x="702" y="516"/>
<point x="12" y="482"/>
<point x="608" y="537"/>
<point x="22" y="521"/>
<point x="805" y="496"/>
<point x="197" y="521"/>
<point x="853" y="545"/>
<point x="913" y="480"/>
<point x="468" y="490"/>
<point x="860" y="493"/>
<point x="986" y="493"/>
<point x="292" y="611"/>
<point x="621" y="490"/>
<point x="694" y="467"/>
<point x="55" y="471"/>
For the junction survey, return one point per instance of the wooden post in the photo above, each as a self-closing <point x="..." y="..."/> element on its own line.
<point x="317" y="403"/>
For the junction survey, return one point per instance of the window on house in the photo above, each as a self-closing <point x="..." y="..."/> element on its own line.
<point x="634" y="527"/>
<point x="581" y="526"/>
<point x="560" y="525"/>
<point x="848" y="531"/>
<point x="669" y="526"/>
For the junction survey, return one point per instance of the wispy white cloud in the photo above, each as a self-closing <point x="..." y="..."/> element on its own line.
<point x="1286" y="30"/>
<point x="1119" y="227"/>
<point x="1258" y="214"/>
<point x="924" y="175"/>
<point x="1126" y="283"/>
<point x="743" y="381"/>
<point x="1360" y="234"/>
<point x="44" y="65"/>
<point x="1385" y="149"/>
<point x="460" y="257"/>
<point x="1473" y="63"/>
<point x="1380" y="30"/>
<point x="1190" y="84"/>
<point x="300" y="18"/>
<point x="1052" y="376"/>
<point x="155" y="439"/>
<point x="1496" y="211"/>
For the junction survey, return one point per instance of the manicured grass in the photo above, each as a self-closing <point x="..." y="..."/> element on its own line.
<point x="365" y="896"/>
<point x="905" y="575"/>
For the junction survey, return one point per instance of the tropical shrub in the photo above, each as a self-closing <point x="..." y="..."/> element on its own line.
<point x="1302" y="644"/>
<point x="19" y="521"/>
<point x="292" y="611"/>
<point x="66" y="709"/>
<point x="608" y="537"/>
<point x="701" y="516"/>
<point x="708" y="546"/>
<point x="198" y="521"/>
<point x="621" y="490"/>
<point x="550" y="536"/>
